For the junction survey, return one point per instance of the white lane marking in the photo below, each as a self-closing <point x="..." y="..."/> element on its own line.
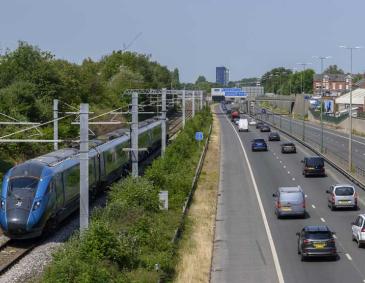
<point x="313" y="206"/>
<point x="275" y="153"/>
<point x="349" y="257"/>
<point x="305" y="195"/>
<point x="281" y="161"/>
<point x="277" y="157"/>
<point x="322" y="219"/>
<point x="284" y="166"/>
<point x="293" y="179"/>
<point x="288" y="172"/>
<point x="263" y="214"/>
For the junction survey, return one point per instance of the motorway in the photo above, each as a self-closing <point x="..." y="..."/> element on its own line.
<point x="335" y="143"/>
<point x="246" y="251"/>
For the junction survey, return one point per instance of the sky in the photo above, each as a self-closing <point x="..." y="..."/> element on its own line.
<point x="250" y="37"/>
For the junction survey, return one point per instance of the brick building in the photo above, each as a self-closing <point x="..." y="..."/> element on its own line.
<point x="333" y="84"/>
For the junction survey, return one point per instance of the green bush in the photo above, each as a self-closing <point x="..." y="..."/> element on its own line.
<point x="128" y="237"/>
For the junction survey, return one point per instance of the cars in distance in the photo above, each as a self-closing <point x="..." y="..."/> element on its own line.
<point x="243" y="125"/>
<point x="265" y="128"/>
<point x="342" y="196"/>
<point x="259" y="145"/>
<point x="316" y="241"/>
<point x="235" y="121"/>
<point x="274" y="136"/>
<point x="259" y="125"/>
<point x="289" y="201"/>
<point x="313" y="166"/>
<point x="288" y="147"/>
<point x="252" y="122"/>
<point x="358" y="230"/>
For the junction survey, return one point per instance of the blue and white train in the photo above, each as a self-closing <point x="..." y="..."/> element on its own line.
<point x="42" y="192"/>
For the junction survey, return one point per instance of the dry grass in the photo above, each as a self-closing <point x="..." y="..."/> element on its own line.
<point x="195" y="251"/>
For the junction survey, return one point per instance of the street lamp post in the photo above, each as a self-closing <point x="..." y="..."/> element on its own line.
<point x="322" y="58"/>
<point x="350" y="111"/>
<point x="303" y="126"/>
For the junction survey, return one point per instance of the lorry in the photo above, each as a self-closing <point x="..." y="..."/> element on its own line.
<point x="234" y="115"/>
<point x="243" y="125"/>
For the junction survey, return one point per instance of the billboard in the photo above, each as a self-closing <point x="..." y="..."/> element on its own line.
<point x="329" y="105"/>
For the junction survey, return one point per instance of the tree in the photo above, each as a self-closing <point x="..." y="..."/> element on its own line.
<point x="175" y="78"/>
<point x="333" y="69"/>
<point x="200" y="79"/>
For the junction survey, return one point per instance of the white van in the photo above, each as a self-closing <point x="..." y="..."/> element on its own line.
<point x="243" y="125"/>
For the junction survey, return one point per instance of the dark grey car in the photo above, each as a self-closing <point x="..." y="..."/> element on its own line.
<point x="289" y="201"/>
<point x="316" y="241"/>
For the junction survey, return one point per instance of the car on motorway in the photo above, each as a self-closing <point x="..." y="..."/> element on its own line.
<point x="259" y="125"/>
<point x="342" y="196"/>
<point x="243" y="125"/>
<point x="358" y="230"/>
<point x="252" y="122"/>
<point x="265" y="128"/>
<point x="259" y="145"/>
<point x="289" y="201"/>
<point x="316" y="241"/>
<point x="288" y="147"/>
<point x="274" y="136"/>
<point x="313" y="166"/>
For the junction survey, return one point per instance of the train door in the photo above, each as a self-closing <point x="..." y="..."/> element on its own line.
<point x="60" y="196"/>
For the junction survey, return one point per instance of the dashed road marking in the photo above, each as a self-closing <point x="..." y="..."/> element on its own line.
<point x="277" y="157"/>
<point x="288" y="172"/>
<point x="349" y="257"/>
<point x="322" y="219"/>
<point x="304" y="195"/>
<point x="281" y="161"/>
<point x="293" y="179"/>
<point x="313" y="206"/>
<point x="284" y="166"/>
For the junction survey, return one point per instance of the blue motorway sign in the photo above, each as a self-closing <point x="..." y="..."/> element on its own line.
<point x="199" y="136"/>
<point x="234" y="92"/>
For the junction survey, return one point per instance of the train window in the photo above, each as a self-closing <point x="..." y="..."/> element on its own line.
<point x="72" y="182"/>
<point x="92" y="171"/>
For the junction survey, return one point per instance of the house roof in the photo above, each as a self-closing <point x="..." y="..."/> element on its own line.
<point x="332" y="77"/>
<point x="358" y="96"/>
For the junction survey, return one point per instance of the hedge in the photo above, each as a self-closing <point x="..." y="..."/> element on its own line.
<point x="130" y="236"/>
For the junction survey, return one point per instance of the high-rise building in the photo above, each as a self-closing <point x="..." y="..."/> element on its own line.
<point x="222" y="75"/>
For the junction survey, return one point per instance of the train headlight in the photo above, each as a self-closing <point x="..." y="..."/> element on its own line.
<point x="37" y="205"/>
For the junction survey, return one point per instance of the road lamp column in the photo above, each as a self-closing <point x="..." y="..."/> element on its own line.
<point x="350" y="111"/>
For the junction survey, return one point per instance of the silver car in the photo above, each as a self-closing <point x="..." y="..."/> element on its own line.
<point x="342" y="196"/>
<point x="358" y="230"/>
<point x="289" y="201"/>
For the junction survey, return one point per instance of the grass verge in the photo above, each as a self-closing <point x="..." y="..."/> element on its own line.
<point x="195" y="250"/>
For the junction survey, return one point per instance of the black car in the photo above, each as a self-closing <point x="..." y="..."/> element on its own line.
<point x="313" y="166"/>
<point x="259" y="144"/>
<point x="259" y="125"/>
<point x="288" y="147"/>
<point x="265" y="128"/>
<point x="316" y="241"/>
<point x="274" y="136"/>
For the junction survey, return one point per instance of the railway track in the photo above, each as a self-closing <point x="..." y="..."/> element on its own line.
<point x="12" y="251"/>
<point x="175" y="124"/>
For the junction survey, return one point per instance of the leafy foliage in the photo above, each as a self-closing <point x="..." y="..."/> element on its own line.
<point x="131" y="234"/>
<point x="31" y="78"/>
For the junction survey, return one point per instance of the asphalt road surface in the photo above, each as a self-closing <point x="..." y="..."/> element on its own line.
<point x="334" y="142"/>
<point x="246" y="251"/>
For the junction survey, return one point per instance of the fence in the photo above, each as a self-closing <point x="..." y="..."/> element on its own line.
<point x="312" y="140"/>
<point x="327" y="118"/>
